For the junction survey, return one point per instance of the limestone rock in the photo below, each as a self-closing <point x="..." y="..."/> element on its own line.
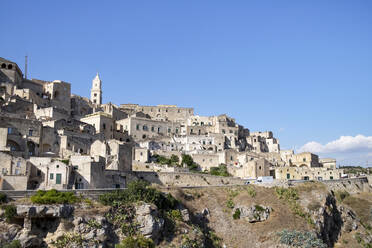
<point x="150" y="224"/>
<point x="28" y="240"/>
<point x="254" y="213"/>
<point x="33" y="211"/>
<point x="185" y="215"/>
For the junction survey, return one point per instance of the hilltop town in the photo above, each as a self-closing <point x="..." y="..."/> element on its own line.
<point x="51" y="138"/>
<point x="77" y="172"/>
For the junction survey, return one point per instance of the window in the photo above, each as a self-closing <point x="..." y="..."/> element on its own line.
<point x="169" y="130"/>
<point x="158" y="129"/>
<point x="231" y="131"/>
<point x="10" y="130"/>
<point x="259" y="167"/>
<point x="304" y="159"/>
<point x="30" y="132"/>
<point x="17" y="171"/>
<point x="51" y="176"/>
<point x="288" y="176"/>
<point x="145" y="128"/>
<point x="137" y="127"/>
<point x="223" y="131"/>
<point x="104" y="126"/>
<point x="18" y="164"/>
<point x="141" y="154"/>
<point x="95" y="94"/>
<point x="231" y="158"/>
<point x="176" y="130"/>
<point x="152" y="129"/>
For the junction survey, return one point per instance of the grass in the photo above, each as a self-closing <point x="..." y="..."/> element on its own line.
<point x="341" y="195"/>
<point x="251" y="191"/>
<point x="314" y="206"/>
<point x="291" y="196"/>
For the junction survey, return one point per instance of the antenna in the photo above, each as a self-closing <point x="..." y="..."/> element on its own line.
<point x="26" y="67"/>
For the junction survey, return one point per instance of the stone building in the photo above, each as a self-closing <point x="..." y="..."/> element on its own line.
<point x="21" y="137"/>
<point x="102" y="122"/>
<point x="307" y="173"/>
<point x="306" y="159"/>
<point x="144" y="128"/>
<point x="162" y="112"/>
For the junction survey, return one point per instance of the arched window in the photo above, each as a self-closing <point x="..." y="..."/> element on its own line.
<point x="3" y="66"/>
<point x="10" y="66"/>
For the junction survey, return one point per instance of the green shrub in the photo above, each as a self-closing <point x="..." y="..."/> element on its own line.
<point x="66" y="161"/>
<point x="221" y="170"/>
<point x="175" y="215"/>
<point x="236" y="214"/>
<point x="174" y="159"/>
<point x="259" y="208"/>
<point x="136" y="242"/>
<point x="10" y="212"/>
<point x="139" y="191"/>
<point x="53" y="197"/>
<point x="300" y="239"/>
<point x="69" y="240"/>
<point x="13" y="244"/>
<point x="230" y="203"/>
<point x="216" y="241"/>
<point x="3" y="198"/>
<point x="93" y="223"/>
<point x="187" y="159"/>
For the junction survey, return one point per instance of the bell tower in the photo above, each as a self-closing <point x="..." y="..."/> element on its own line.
<point x="96" y="91"/>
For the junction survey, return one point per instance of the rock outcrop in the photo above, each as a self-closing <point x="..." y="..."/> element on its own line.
<point x="149" y="222"/>
<point x="254" y="213"/>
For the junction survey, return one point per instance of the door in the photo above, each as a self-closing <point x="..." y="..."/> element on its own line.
<point x="58" y="178"/>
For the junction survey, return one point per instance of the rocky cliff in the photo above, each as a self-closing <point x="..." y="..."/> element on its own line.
<point x="311" y="215"/>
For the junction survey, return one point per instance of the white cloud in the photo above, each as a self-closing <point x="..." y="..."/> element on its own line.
<point x="344" y="144"/>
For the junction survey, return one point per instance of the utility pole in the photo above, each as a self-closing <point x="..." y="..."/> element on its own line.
<point x="26" y="67"/>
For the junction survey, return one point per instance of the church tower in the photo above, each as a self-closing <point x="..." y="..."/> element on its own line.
<point x="96" y="92"/>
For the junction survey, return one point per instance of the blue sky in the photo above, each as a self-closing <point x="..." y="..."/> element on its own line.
<point x="302" y="69"/>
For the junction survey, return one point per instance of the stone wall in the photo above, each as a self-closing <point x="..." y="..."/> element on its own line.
<point x="180" y="179"/>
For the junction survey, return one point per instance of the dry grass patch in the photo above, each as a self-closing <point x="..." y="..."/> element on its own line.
<point x="311" y="186"/>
